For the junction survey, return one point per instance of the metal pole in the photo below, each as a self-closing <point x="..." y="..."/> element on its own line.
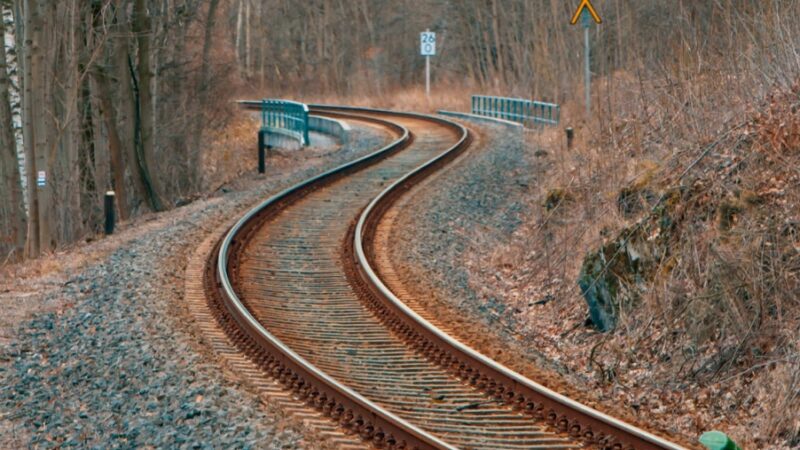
<point x="305" y="128"/>
<point x="263" y="113"/>
<point x="588" y="73"/>
<point x="428" y="76"/>
<point x="109" y="211"/>
<point x="262" y="158"/>
<point x="570" y="136"/>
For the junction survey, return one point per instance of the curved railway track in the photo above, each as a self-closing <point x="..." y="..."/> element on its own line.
<point x="293" y="284"/>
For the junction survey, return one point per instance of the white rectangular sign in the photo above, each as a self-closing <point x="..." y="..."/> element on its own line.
<point x="427" y="43"/>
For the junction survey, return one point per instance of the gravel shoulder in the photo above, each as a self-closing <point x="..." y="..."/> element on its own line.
<point x="452" y="221"/>
<point x="97" y="350"/>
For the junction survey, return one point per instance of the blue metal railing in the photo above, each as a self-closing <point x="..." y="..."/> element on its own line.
<point x="526" y="112"/>
<point x="285" y="116"/>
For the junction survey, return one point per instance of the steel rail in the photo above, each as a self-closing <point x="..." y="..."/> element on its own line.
<point x="514" y="388"/>
<point x="370" y="420"/>
<point x="354" y="411"/>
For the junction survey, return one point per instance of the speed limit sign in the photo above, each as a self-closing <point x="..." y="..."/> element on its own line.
<point x="427" y="43"/>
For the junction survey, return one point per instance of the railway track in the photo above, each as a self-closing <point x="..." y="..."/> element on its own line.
<point x="293" y="284"/>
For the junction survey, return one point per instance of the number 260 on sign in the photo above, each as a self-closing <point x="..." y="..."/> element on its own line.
<point x="427" y="42"/>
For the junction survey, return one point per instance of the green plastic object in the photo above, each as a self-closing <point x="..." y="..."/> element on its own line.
<point x="717" y="440"/>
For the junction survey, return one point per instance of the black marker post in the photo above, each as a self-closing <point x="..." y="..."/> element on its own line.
<point x="262" y="145"/>
<point x="111" y="218"/>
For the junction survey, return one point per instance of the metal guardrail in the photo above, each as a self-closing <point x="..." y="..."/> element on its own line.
<point x="287" y="117"/>
<point x="526" y="112"/>
<point x="330" y="126"/>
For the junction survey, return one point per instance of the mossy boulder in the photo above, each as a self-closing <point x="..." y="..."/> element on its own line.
<point x="600" y="288"/>
<point x="608" y="276"/>
<point x="612" y="277"/>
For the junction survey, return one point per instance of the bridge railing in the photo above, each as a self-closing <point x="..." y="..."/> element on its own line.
<point x="526" y="112"/>
<point x="286" y="117"/>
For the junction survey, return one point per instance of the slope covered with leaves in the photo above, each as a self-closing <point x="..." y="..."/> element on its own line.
<point x="708" y="281"/>
<point x="690" y="240"/>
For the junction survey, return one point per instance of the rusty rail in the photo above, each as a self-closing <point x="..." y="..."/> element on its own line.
<point x="371" y="421"/>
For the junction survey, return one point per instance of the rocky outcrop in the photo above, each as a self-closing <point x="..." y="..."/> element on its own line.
<point x="612" y="277"/>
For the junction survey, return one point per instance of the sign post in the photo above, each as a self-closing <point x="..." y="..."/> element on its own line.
<point x="427" y="76"/>
<point x="587" y="70"/>
<point x="586" y="13"/>
<point x="427" y="48"/>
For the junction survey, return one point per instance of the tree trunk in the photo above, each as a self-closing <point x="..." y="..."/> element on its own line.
<point x="108" y="114"/>
<point x="124" y="118"/>
<point x="107" y="147"/>
<point x="500" y="53"/>
<point x="99" y="159"/>
<point x="141" y="28"/>
<point x="247" y="26"/>
<point x="39" y="122"/>
<point x="32" y="247"/>
<point x="12" y="210"/>
<point x="68" y="140"/>
<point x="207" y="41"/>
<point x="239" y="15"/>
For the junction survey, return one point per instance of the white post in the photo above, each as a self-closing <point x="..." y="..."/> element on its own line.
<point x="428" y="76"/>
<point x="428" y="71"/>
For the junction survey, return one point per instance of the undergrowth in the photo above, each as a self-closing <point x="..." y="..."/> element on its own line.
<point x="692" y="195"/>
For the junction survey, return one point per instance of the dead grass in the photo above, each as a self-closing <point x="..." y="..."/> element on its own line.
<point x="229" y="151"/>
<point x="715" y="322"/>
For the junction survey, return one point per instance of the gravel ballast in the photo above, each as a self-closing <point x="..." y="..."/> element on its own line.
<point x="462" y="214"/>
<point x="113" y="362"/>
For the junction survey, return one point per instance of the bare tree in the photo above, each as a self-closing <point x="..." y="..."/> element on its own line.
<point x="143" y="91"/>
<point x="12" y="207"/>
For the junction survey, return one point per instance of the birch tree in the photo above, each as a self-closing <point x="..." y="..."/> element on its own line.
<point x="12" y="208"/>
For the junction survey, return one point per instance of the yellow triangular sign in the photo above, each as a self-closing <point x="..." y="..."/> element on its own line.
<point x="585" y="4"/>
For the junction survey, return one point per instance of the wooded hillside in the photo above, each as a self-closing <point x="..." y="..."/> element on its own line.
<point x="117" y="94"/>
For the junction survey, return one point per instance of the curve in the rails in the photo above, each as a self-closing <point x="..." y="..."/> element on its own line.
<point x="302" y="317"/>
<point x="294" y="291"/>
